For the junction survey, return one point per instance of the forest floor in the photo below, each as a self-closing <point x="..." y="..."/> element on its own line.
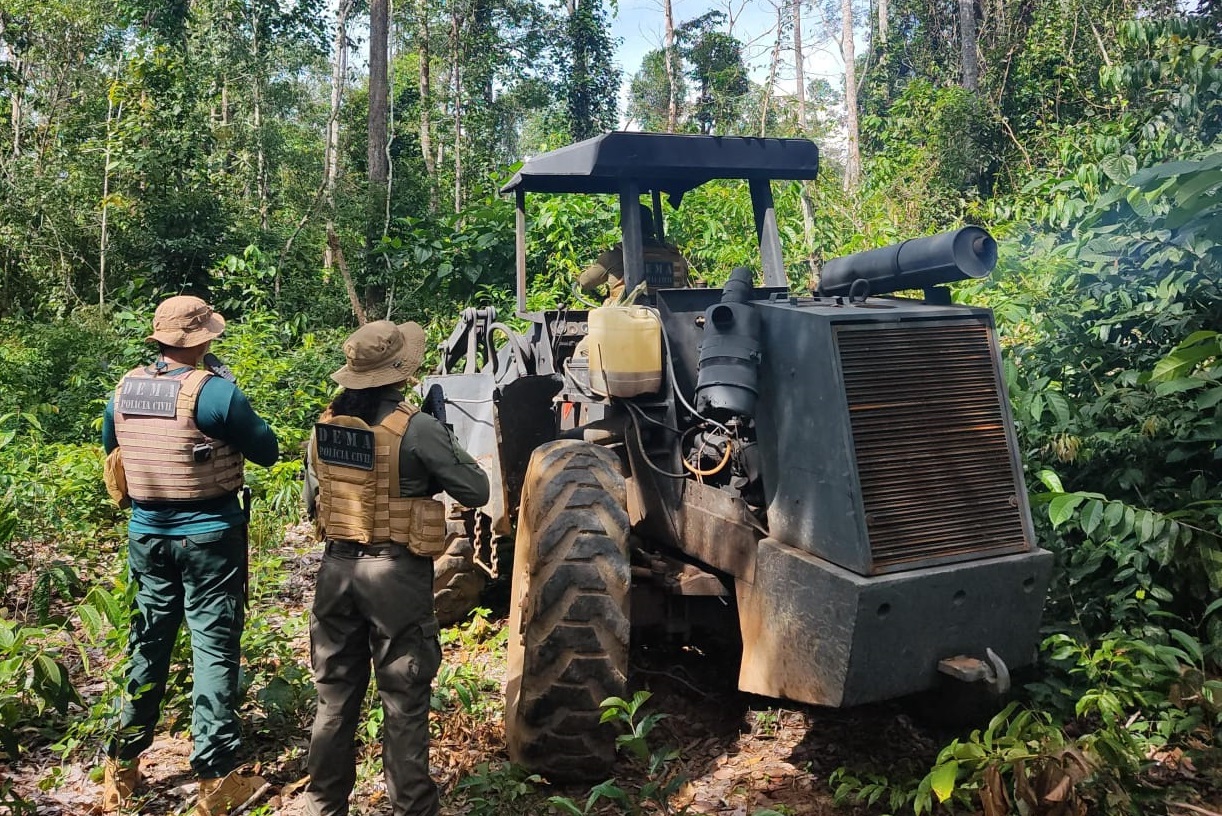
<point x="737" y="754"/>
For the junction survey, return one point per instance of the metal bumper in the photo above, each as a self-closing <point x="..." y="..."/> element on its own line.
<point x="816" y="633"/>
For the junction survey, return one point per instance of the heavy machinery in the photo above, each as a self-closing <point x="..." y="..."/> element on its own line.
<point x="836" y="468"/>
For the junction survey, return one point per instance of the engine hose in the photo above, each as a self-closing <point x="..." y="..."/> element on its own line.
<point x="636" y="426"/>
<point x="712" y="471"/>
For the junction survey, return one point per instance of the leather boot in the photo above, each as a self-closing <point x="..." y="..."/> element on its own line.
<point x="219" y="795"/>
<point x="119" y="781"/>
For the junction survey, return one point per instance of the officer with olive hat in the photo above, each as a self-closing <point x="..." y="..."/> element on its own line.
<point x="375" y="464"/>
<point x="179" y="436"/>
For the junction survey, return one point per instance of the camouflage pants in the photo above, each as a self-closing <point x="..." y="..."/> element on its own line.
<point x="373" y="605"/>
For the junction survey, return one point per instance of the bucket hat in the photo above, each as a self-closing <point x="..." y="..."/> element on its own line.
<point x="381" y="353"/>
<point x="184" y="321"/>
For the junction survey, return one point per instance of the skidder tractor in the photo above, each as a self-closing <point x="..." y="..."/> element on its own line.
<point x="839" y="469"/>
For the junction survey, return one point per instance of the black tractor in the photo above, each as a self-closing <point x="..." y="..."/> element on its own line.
<point x="837" y="467"/>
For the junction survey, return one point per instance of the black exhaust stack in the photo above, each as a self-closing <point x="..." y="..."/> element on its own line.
<point x="920" y="263"/>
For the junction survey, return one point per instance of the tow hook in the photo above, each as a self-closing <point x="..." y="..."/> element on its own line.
<point x="994" y="674"/>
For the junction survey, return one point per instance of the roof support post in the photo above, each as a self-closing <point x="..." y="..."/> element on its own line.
<point x="630" y="224"/>
<point x="659" y="227"/>
<point x="519" y="197"/>
<point x="766" y="231"/>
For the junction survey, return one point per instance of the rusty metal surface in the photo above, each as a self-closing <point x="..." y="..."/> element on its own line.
<point x="897" y="452"/>
<point x="817" y="633"/>
<point x="713" y="529"/>
<point x="525" y="419"/>
<point x="932" y="444"/>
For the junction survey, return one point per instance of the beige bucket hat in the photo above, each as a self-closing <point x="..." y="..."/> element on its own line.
<point x="184" y="321"/>
<point x="381" y="353"/>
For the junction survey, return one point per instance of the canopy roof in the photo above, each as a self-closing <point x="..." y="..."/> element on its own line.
<point x="670" y="163"/>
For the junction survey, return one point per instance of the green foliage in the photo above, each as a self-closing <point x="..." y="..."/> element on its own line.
<point x="937" y="138"/>
<point x="588" y="74"/>
<point x="34" y="682"/>
<point x="661" y="782"/>
<point x="650" y="91"/>
<point x="444" y="260"/>
<point x="1112" y="371"/>
<point x="717" y="71"/>
<point x="870" y="789"/>
<point x="499" y="790"/>
<point x="1163" y="102"/>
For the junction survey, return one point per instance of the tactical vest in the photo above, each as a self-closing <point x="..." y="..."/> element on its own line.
<point x="166" y="457"/>
<point x="358" y="485"/>
<point x="661" y="259"/>
<point x="665" y="268"/>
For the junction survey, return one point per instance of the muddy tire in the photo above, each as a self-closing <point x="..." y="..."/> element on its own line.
<point x="569" y="624"/>
<point x="457" y="579"/>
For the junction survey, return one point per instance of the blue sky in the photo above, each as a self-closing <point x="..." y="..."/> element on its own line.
<point x="639" y="27"/>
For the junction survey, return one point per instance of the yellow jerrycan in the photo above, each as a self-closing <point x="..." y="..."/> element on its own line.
<point x="625" y="345"/>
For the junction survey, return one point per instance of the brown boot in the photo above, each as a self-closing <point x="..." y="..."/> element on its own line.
<point x="119" y="781"/>
<point x="220" y="795"/>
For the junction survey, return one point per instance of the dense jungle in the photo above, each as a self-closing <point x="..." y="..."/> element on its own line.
<point x="309" y="166"/>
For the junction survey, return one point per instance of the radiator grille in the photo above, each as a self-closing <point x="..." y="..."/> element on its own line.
<point x="935" y="472"/>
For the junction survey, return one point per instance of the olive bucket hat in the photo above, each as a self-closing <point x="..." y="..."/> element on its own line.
<point x="184" y="321"/>
<point x="381" y="353"/>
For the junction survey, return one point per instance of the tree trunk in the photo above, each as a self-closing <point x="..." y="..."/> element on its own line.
<point x="456" y="74"/>
<point x="852" y="161"/>
<point x="9" y="57"/>
<point x="333" y="255"/>
<point x="104" y="241"/>
<point x="338" y="253"/>
<point x="883" y="23"/>
<point x="808" y="206"/>
<point x="672" y="109"/>
<point x="426" y="100"/>
<point x="339" y="76"/>
<point x="379" y="98"/>
<point x="261" y="180"/>
<point x="967" y="37"/>
<point x="773" y="66"/>
<point x="16" y="104"/>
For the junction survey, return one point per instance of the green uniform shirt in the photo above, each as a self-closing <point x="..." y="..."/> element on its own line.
<point x="221" y="412"/>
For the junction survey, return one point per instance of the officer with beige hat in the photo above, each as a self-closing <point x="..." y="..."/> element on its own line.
<point x="182" y="436"/>
<point x="375" y="464"/>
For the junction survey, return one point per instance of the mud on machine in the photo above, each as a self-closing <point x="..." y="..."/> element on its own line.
<point x="837" y="468"/>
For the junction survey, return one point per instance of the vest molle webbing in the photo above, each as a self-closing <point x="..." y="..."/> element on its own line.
<point x="159" y="452"/>
<point x="356" y="504"/>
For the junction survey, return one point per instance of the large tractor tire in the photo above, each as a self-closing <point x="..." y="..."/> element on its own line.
<point x="568" y="619"/>
<point x="457" y="580"/>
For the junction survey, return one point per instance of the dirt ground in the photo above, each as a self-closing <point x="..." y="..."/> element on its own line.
<point x="737" y="754"/>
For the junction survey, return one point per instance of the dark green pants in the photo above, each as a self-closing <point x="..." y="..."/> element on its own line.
<point x="373" y="605"/>
<point x="201" y="578"/>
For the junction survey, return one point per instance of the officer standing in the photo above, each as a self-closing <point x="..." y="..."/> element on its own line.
<point x="377" y="462"/>
<point x="183" y="435"/>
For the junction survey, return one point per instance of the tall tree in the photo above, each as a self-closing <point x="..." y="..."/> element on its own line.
<point x="672" y="70"/>
<point x="424" y="56"/>
<point x="774" y="65"/>
<point x="967" y="37"/>
<point x="799" y="61"/>
<point x="717" y="68"/>
<point x="649" y="94"/>
<point x="332" y="252"/>
<point x="852" y="162"/>
<point x="589" y="76"/>
<point x="379" y="101"/>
